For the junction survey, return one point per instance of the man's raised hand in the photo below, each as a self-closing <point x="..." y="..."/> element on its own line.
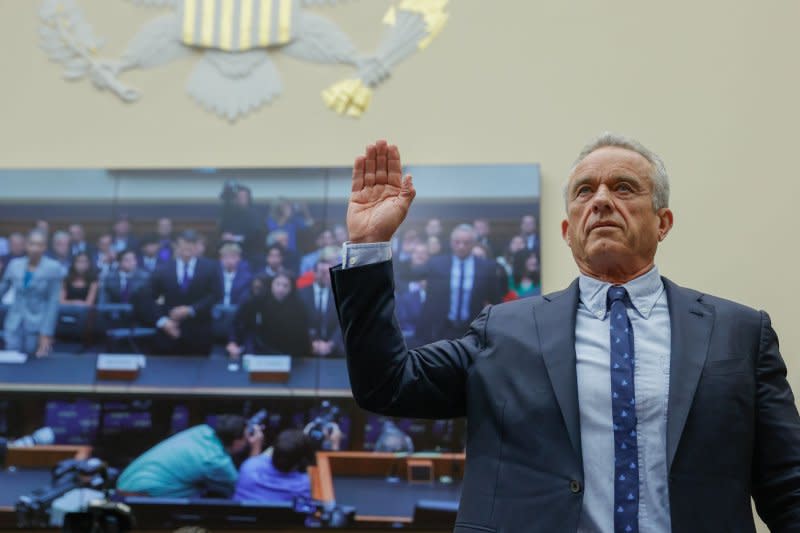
<point x="381" y="195"/>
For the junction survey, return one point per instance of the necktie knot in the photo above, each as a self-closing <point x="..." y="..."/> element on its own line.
<point x="616" y="294"/>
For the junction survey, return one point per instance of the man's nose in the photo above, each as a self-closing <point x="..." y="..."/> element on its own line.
<point x="601" y="201"/>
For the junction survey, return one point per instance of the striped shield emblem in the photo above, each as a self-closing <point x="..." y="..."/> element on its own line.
<point x="237" y="25"/>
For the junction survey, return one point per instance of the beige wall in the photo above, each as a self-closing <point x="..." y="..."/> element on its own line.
<point x="711" y="85"/>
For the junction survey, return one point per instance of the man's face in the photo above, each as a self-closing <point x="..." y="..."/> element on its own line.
<point x="122" y="228"/>
<point x="16" y="244"/>
<point x="325" y="239"/>
<point x="461" y="243"/>
<point x="481" y="227"/>
<point x="611" y="226"/>
<point x="61" y="246"/>
<point x="230" y="261"/>
<point x="322" y="275"/>
<point x="76" y="233"/>
<point x="433" y="227"/>
<point x="185" y="249"/>
<point x="420" y="255"/>
<point x="164" y="227"/>
<point x="127" y="262"/>
<point x="242" y="198"/>
<point x="150" y="249"/>
<point x="274" y="259"/>
<point x="104" y="243"/>
<point x="35" y="246"/>
<point x="516" y="244"/>
<point x="528" y="225"/>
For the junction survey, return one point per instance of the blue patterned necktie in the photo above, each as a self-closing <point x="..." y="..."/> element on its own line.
<point x="623" y="410"/>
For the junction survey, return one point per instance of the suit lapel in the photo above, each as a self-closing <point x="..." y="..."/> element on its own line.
<point x="691" y="323"/>
<point x="556" y="314"/>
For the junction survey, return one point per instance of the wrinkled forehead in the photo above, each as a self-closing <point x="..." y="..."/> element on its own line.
<point x="612" y="162"/>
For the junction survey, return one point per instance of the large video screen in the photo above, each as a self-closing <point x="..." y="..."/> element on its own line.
<point x="200" y="269"/>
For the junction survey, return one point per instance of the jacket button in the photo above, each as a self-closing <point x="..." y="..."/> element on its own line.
<point x="575" y="486"/>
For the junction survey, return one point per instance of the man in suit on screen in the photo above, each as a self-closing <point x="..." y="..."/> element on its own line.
<point x="623" y="403"/>
<point x="179" y="298"/>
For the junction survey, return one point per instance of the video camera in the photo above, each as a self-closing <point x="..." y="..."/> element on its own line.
<point x="318" y="429"/>
<point x="33" y="510"/>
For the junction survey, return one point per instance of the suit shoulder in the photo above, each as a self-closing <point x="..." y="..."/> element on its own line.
<point x="721" y="305"/>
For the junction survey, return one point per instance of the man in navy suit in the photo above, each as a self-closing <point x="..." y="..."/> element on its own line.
<point x="234" y="275"/>
<point x="326" y="338"/>
<point x="179" y="298"/>
<point x="624" y="403"/>
<point x="459" y="285"/>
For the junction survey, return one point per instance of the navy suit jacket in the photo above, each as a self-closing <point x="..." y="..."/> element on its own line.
<point x="331" y="320"/>
<point x="732" y="431"/>
<point x="437" y="303"/>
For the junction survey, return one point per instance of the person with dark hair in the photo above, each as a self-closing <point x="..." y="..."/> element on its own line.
<point x="196" y="462"/>
<point x="240" y="222"/>
<point x="281" y="476"/>
<point x="119" y="285"/>
<point x="36" y="281"/>
<point x="526" y="276"/>
<point x="80" y="285"/>
<point x="189" y="286"/>
<point x="271" y="321"/>
<point x="275" y="257"/>
<point x="152" y="253"/>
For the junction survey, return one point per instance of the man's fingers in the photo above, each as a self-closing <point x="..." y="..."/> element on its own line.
<point x="394" y="166"/>
<point x="381" y="169"/>
<point x="369" y="166"/>
<point x="407" y="192"/>
<point x="358" y="173"/>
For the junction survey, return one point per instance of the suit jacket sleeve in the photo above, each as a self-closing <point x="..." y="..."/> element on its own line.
<point x="776" y="462"/>
<point x="386" y="377"/>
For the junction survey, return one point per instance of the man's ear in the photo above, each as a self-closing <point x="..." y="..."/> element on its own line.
<point x="665" y="222"/>
<point x="565" y="232"/>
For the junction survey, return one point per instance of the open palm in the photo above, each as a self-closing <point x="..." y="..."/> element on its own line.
<point x="380" y="197"/>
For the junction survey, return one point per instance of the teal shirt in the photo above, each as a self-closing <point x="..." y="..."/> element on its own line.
<point x="183" y="466"/>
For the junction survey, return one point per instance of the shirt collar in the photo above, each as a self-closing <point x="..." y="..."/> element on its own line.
<point x="643" y="291"/>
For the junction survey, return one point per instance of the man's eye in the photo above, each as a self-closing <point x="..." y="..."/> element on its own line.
<point x="624" y="187"/>
<point x="584" y="189"/>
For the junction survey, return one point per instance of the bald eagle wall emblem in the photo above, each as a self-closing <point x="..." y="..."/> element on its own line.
<point x="235" y="39"/>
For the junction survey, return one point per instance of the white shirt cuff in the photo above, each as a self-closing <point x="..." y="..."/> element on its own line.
<point x="367" y="253"/>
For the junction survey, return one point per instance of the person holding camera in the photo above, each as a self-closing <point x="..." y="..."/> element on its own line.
<point x="196" y="462"/>
<point x="240" y="222"/>
<point x="280" y="475"/>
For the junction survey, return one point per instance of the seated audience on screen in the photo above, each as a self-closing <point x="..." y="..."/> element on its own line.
<point x="280" y="476"/>
<point x="196" y="462"/>
<point x="60" y="250"/>
<point x="179" y="298"/>
<point x="323" y="322"/>
<point x="36" y="281"/>
<point x="234" y="274"/>
<point x="77" y="241"/>
<point x="481" y="251"/>
<point x="483" y="236"/>
<point x="80" y="284"/>
<point x="528" y="232"/>
<point x="271" y="321"/>
<point x="516" y="244"/>
<point x="119" y="285"/>
<point x="526" y="276"/>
